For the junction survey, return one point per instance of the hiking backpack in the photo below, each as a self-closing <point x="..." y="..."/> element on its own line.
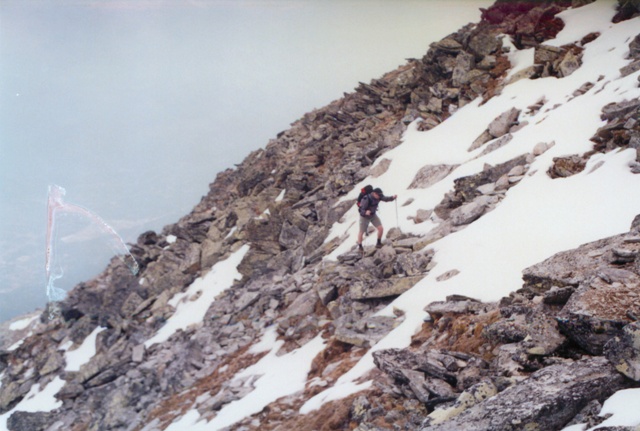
<point x="365" y="191"/>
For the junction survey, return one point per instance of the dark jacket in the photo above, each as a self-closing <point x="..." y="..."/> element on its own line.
<point x="369" y="202"/>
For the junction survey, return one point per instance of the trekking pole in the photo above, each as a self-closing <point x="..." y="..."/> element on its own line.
<point x="397" y="220"/>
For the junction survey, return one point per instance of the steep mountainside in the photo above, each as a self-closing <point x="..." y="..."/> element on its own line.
<point x="509" y="142"/>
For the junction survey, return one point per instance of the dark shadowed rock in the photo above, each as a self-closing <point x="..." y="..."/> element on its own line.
<point x="27" y="421"/>
<point x="623" y="351"/>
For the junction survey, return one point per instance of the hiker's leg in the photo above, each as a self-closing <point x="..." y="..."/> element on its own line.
<point x="364" y="223"/>
<point x="378" y="225"/>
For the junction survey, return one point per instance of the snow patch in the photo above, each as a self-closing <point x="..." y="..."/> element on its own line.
<point x="192" y="305"/>
<point x="78" y="357"/>
<point x="36" y="401"/>
<point x="231" y="232"/>
<point x="273" y="377"/>
<point x="519" y="59"/>
<point x="23" y="323"/>
<point x="579" y="22"/>
<point x="623" y="406"/>
<point x="18" y="343"/>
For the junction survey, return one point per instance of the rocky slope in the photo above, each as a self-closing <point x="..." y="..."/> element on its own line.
<point x="543" y="357"/>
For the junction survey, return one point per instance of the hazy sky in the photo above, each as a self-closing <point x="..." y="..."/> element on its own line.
<point x="134" y="106"/>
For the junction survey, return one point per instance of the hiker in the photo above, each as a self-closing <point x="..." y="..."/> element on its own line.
<point x="368" y="205"/>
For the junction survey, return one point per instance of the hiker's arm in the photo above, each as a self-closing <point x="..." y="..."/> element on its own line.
<point x="364" y="205"/>
<point x="389" y="198"/>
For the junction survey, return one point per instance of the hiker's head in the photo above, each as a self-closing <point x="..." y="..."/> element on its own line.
<point x="377" y="193"/>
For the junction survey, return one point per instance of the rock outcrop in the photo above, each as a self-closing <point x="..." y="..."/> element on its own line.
<point x="535" y="359"/>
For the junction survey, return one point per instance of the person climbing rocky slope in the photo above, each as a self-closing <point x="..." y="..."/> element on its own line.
<point x="543" y="357"/>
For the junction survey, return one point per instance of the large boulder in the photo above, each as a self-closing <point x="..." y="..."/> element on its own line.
<point x="431" y="174"/>
<point x="470" y="212"/>
<point x="484" y="43"/>
<point x="599" y="310"/>
<point x="545" y="401"/>
<point x="501" y="124"/>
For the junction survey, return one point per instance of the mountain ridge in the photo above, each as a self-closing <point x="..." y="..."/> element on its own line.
<point x="273" y="219"/>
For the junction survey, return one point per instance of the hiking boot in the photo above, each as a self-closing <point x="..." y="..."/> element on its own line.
<point x="360" y="247"/>
<point x="379" y="244"/>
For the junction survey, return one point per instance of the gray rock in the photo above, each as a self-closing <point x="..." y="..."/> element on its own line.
<point x="413" y="264"/>
<point x="27" y="421"/>
<point x="543" y="337"/>
<point x="591" y="318"/>
<point x="488" y="62"/>
<point x="630" y="68"/>
<point x="211" y="252"/>
<point x="541" y="148"/>
<point x="69" y="391"/>
<point x="191" y="261"/>
<point x="546" y="401"/>
<point x="130" y="305"/>
<point x="326" y="293"/>
<point x="558" y="295"/>
<point x="303" y="305"/>
<point x="360" y="407"/>
<point x="365" y="332"/>
<point x="447" y="275"/>
<point x="13" y="392"/>
<point x="393" y="361"/>
<point x="468" y="213"/>
<point x="422" y="215"/>
<point x="54" y="362"/>
<point x="380" y="168"/>
<point x="247" y="299"/>
<point x="383" y="288"/>
<point x="481" y="140"/>
<point x="138" y="352"/>
<point x="484" y="43"/>
<point x="464" y="64"/>
<point x="439" y="389"/>
<point x="623" y="351"/>
<point x="502" y="183"/>
<point x="431" y="174"/>
<point x="498" y="143"/>
<point x="291" y="236"/>
<point x="448" y="44"/>
<point x="417" y="384"/>
<point x="546" y="54"/>
<point x="501" y="125"/>
<point x="589" y="415"/>
<point x="618" y="110"/>
<point x="469" y="398"/>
